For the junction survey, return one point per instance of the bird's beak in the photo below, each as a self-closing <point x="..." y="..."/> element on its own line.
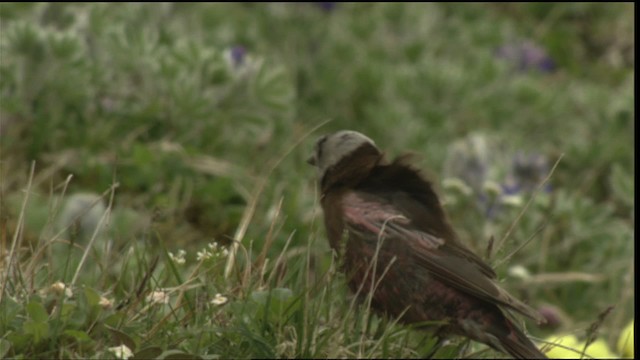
<point x="311" y="160"/>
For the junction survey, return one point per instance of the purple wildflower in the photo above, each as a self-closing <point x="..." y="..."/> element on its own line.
<point x="525" y="56"/>
<point x="326" y="6"/>
<point x="238" y="54"/>
<point x="528" y="171"/>
<point x="553" y="315"/>
<point x="477" y="160"/>
<point x="524" y="176"/>
<point x="491" y="207"/>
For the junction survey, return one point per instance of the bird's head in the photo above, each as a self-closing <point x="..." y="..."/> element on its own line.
<point x="344" y="156"/>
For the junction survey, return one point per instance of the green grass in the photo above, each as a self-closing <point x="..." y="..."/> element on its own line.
<point x="144" y="106"/>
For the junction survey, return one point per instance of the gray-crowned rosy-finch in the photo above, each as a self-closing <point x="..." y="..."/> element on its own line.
<point x="422" y="271"/>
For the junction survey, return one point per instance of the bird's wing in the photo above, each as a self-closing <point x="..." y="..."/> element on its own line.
<point x="373" y="217"/>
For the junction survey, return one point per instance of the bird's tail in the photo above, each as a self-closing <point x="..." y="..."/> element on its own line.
<point x="517" y="344"/>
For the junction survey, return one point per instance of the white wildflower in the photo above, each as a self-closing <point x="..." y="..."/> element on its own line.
<point x="59" y="287"/>
<point x="179" y="257"/>
<point x="204" y="255"/>
<point x="492" y="188"/>
<point x="457" y="185"/>
<point x="519" y="271"/>
<point x="105" y="303"/>
<point x="512" y="200"/>
<point x="213" y="249"/>
<point x="121" y="352"/>
<point x="158" y="297"/>
<point x="219" y="299"/>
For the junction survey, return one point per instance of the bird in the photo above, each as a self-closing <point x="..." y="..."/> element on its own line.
<point x="385" y="222"/>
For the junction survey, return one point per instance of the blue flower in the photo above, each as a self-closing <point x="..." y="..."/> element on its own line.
<point x="238" y="54"/>
<point x="525" y="56"/>
<point x="326" y="6"/>
<point x="527" y="172"/>
<point x="496" y="179"/>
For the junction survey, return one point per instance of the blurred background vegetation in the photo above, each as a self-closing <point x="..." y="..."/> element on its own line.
<point x="188" y="118"/>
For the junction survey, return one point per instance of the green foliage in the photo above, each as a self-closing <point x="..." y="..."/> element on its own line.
<point x="188" y="118"/>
